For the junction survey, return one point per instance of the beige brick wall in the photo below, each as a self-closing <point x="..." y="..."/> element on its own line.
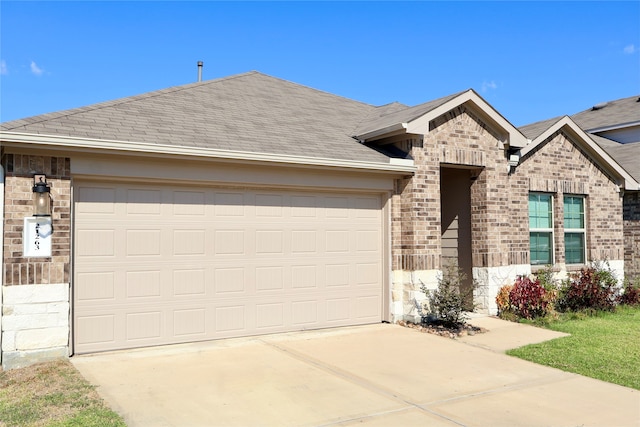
<point x="19" y="171"/>
<point x="458" y="139"/>
<point x="499" y="200"/>
<point x="560" y="167"/>
<point x="631" y="218"/>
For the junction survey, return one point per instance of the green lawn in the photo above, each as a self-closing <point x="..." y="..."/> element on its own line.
<point x="605" y="346"/>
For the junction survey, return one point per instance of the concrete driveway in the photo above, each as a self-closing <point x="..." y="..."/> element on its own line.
<point x="378" y="375"/>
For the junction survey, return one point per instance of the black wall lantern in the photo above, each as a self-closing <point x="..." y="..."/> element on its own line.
<point x="41" y="197"/>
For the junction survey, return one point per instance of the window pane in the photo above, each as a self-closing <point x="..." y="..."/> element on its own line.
<point x="574" y="248"/>
<point x="573" y="212"/>
<point x="541" y="247"/>
<point x="540" y="211"/>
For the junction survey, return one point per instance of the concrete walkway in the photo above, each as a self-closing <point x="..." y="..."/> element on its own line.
<point x="378" y="375"/>
<point x="504" y="335"/>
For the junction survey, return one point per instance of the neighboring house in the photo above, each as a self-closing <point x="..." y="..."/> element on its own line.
<point x="251" y="205"/>
<point x="615" y="126"/>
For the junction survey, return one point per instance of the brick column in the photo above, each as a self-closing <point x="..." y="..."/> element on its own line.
<point x="35" y="322"/>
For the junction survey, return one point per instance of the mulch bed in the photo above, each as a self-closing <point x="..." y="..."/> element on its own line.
<point x="444" y="331"/>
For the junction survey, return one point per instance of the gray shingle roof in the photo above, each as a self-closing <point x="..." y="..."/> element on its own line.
<point x="627" y="156"/>
<point x="249" y="112"/>
<point x="618" y="112"/>
<point x="385" y="117"/>
<point x="533" y="130"/>
<point x="615" y="113"/>
<point x="605" y="143"/>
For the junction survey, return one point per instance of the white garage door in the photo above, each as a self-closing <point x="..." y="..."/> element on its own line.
<point x="158" y="265"/>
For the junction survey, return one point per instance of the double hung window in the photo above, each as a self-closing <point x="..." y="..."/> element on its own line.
<point x="541" y="228"/>
<point x="574" y="230"/>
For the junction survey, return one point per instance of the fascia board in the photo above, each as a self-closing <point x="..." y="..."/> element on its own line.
<point x="613" y="127"/>
<point x="395" y="129"/>
<point x="629" y="182"/>
<point x="420" y="125"/>
<point x="98" y="145"/>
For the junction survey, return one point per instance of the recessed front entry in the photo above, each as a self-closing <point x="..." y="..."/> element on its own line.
<point x="455" y="202"/>
<point x="159" y="265"/>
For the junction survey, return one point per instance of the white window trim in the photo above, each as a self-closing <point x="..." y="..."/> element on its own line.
<point x="582" y="230"/>
<point x="551" y="230"/>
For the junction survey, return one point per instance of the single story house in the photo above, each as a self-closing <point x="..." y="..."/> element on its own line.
<point x="251" y="205"/>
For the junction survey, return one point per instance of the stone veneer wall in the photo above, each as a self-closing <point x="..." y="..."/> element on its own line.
<point x="631" y="218"/>
<point x="35" y="306"/>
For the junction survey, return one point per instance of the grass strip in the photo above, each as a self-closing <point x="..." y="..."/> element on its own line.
<point x="52" y="394"/>
<point x="605" y="346"/>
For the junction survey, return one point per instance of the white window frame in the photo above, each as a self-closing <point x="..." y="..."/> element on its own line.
<point x="542" y="230"/>
<point x="582" y="230"/>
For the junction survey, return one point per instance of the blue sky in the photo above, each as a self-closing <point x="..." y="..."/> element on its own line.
<point x="530" y="60"/>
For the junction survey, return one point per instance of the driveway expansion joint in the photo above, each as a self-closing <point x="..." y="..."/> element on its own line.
<point x="358" y="381"/>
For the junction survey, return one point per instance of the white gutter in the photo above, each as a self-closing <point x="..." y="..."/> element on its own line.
<point x="397" y="128"/>
<point x="88" y="144"/>
<point x="613" y="127"/>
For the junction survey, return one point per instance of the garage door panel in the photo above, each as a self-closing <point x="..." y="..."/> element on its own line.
<point x="305" y="312"/>
<point x="367" y="307"/>
<point x="189" y="203"/>
<point x="230" y="280"/>
<point x="96" y="330"/>
<point x="156" y="265"/>
<point x="99" y="285"/>
<point x="191" y="322"/>
<point x="95" y="242"/>
<point x="269" y="278"/>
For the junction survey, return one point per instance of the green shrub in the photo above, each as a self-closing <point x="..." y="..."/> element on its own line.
<point x="547" y="279"/>
<point x="529" y="299"/>
<point x="592" y="288"/>
<point x="447" y="301"/>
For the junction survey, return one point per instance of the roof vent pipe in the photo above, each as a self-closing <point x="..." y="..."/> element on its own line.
<point x="200" y="64"/>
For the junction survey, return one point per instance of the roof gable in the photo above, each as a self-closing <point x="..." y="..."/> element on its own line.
<point x="541" y="131"/>
<point x="416" y="119"/>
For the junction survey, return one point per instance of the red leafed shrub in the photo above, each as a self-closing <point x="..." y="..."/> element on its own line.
<point x="631" y="295"/>
<point x="591" y="288"/>
<point x="529" y="299"/>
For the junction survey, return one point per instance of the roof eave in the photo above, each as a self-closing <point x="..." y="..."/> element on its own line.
<point x="515" y="138"/>
<point x="420" y="125"/>
<point x="101" y="145"/>
<point x="395" y="129"/>
<point x="613" y="127"/>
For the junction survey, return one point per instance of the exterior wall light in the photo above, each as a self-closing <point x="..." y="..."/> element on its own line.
<point x="41" y="197"/>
